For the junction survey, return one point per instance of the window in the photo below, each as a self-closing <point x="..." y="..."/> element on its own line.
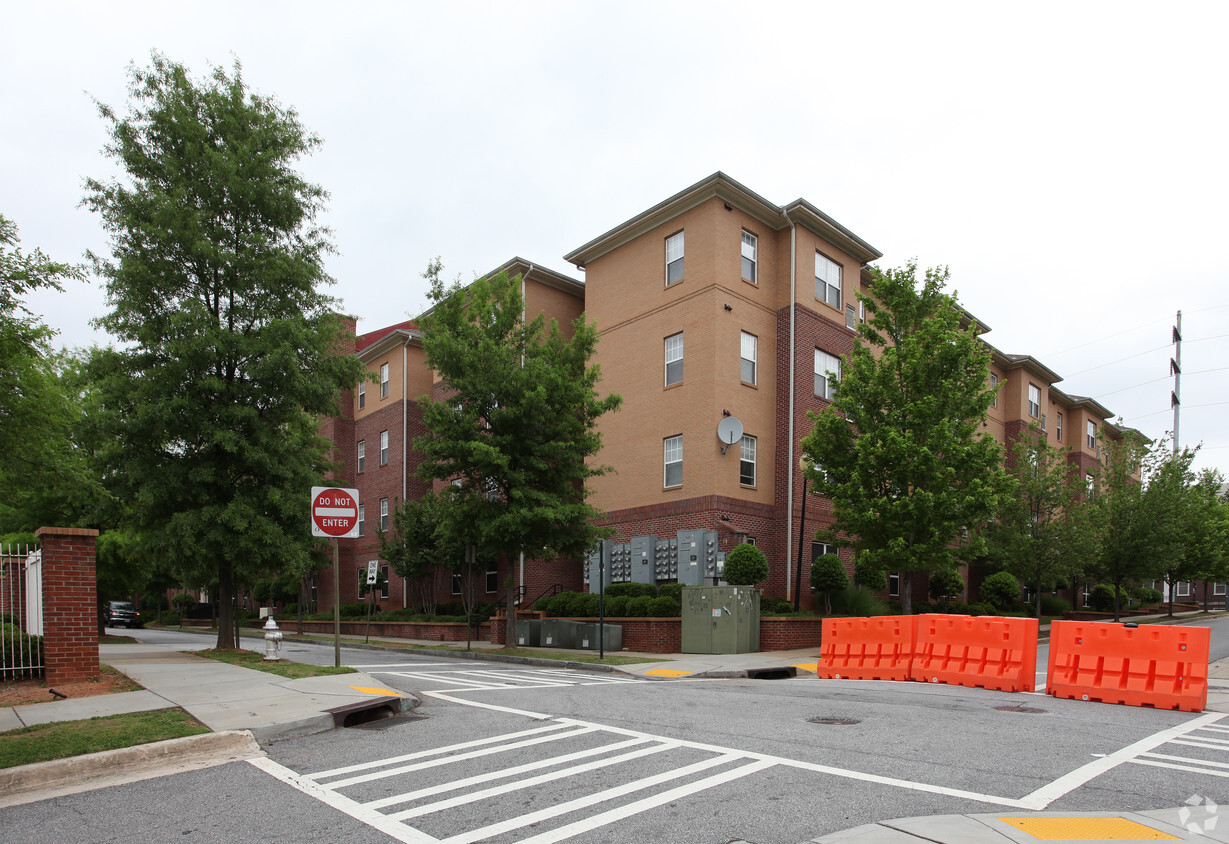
<point x="674" y="359"/>
<point x="492" y="580"/>
<point x="821" y="549"/>
<point x="362" y="455"/>
<point x="1058" y="426"/>
<point x="1087" y="593"/>
<point x="1092" y="434"/>
<point x="1218" y="588"/>
<point x="1034" y="400"/>
<point x="861" y="311"/>
<point x="746" y="462"/>
<point x="674" y="258"/>
<point x="749" y="346"/>
<point x="1090" y="485"/>
<point x="456" y="583"/>
<point x="894" y="585"/>
<point x="384" y="448"/>
<point x="749" y="249"/>
<point x="362" y="394"/>
<point x="1184" y="589"/>
<point x="674" y="460"/>
<point x="827" y="374"/>
<point x="851" y="316"/>
<point x="362" y="520"/>
<point x="1043" y="421"/>
<point x="383" y="380"/>
<point x="382" y="581"/>
<point x="827" y="281"/>
<point x="383" y="514"/>
<point x="994" y="385"/>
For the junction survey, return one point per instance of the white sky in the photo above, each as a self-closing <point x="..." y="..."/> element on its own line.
<point x="1066" y="160"/>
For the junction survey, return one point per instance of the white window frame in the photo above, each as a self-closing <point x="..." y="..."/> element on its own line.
<point x="750" y="253"/>
<point x="748" y="357"/>
<point x="1184" y="589"/>
<point x="1034" y="400"/>
<point x="362" y="519"/>
<point x="1058" y="426"/>
<point x="362" y="456"/>
<point x="674" y="346"/>
<point x="851" y="317"/>
<point x="384" y="448"/>
<point x="1092" y="435"/>
<point x="825" y="387"/>
<point x="1090" y="484"/>
<point x="746" y="458"/>
<point x="384" y="514"/>
<point x="383" y="380"/>
<point x="994" y="385"/>
<point x="893" y="585"/>
<point x="362" y="394"/>
<point x="675" y="265"/>
<point x="1218" y="588"/>
<point x="672" y="455"/>
<point x="827" y="280"/>
<point x="492" y="581"/>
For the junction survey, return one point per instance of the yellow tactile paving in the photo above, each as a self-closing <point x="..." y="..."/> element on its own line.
<point x="1087" y="829"/>
<point x="369" y="691"/>
<point x="805" y="666"/>
<point x="667" y="672"/>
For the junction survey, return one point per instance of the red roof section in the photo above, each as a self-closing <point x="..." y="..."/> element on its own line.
<point x="365" y="340"/>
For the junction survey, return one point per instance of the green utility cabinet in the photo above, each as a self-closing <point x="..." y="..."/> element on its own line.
<point x="528" y="633"/>
<point x="721" y="620"/>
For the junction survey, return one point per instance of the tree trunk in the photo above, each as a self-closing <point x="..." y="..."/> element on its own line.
<point x="906" y="593"/>
<point x="1173" y="587"/>
<point x="510" y="621"/>
<point x="223" y="604"/>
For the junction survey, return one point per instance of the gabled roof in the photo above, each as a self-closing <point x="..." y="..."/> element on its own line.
<point x="536" y="273"/>
<point x="721" y="186"/>
<point x="364" y="340"/>
<point x="1028" y="362"/>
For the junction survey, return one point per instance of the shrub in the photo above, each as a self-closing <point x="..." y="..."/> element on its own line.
<point x="867" y="574"/>
<point x="1001" y="590"/>
<point x="746" y="565"/>
<point x="290" y="609"/>
<point x="638" y="607"/>
<point x="828" y="576"/>
<point x="358" y="609"/>
<point x="981" y="608"/>
<point x="957" y="608"/>
<point x="775" y="606"/>
<point x="945" y="584"/>
<point x="181" y="600"/>
<point x="671" y="590"/>
<point x="631" y="590"/>
<point x="1054" y="605"/>
<point x="617" y="606"/>
<point x="1147" y="596"/>
<point x="1101" y="598"/>
<point x="858" y="602"/>
<point x="542" y="603"/>
<point x="586" y="605"/>
<point x="170" y="619"/>
<point x="664" y="607"/>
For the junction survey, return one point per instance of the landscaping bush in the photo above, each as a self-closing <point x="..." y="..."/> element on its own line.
<point x="1147" y="596"/>
<point x="638" y="607"/>
<point x="170" y="619"/>
<point x="946" y="584"/>
<point x="857" y="602"/>
<point x="1001" y="590"/>
<point x="290" y="610"/>
<point x="671" y="590"/>
<point x="542" y="603"/>
<point x="358" y="609"/>
<point x="775" y="606"/>
<point x="828" y="576"/>
<point x="664" y="607"/>
<point x="1101" y="598"/>
<point x="1054" y="605"/>
<point x="631" y="590"/>
<point x="617" y="606"/>
<point x="586" y="605"/>
<point x="957" y="608"/>
<point x="746" y="565"/>
<point x="982" y="608"/>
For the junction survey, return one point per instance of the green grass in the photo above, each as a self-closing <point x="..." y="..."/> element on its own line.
<point x="282" y="668"/>
<point x="45" y="742"/>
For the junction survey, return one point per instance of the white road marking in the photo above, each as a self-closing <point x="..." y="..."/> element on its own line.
<point x="1207" y="762"/>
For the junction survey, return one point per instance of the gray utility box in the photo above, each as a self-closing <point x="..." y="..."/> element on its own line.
<point x="586" y="636"/>
<point x="643" y="558"/>
<point x="721" y="620"/>
<point x="527" y="633"/>
<point x="558" y="633"/>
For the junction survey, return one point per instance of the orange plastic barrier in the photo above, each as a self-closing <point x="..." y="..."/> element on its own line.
<point x="1158" y="665"/>
<point x="879" y="648"/>
<point x="985" y="652"/>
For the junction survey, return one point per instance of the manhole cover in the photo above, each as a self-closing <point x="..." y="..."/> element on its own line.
<point x="833" y="721"/>
<point x="1029" y="709"/>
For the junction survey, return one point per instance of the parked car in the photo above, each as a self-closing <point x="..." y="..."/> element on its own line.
<point x="121" y="614"/>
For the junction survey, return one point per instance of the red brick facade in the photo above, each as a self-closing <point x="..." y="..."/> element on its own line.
<point x="70" y="604"/>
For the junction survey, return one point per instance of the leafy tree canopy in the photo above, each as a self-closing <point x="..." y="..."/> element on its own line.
<point x="745" y="565"/>
<point x="903" y="456"/>
<point x="230" y="349"/>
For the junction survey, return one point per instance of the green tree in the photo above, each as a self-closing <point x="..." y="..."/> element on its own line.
<point x="1001" y="590"/>
<point x="1040" y="530"/>
<point x="1210" y="544"/>
<point x="230" y="351"/>
<point x="745" y="565"/>
<point x="1126" y="549"/>
<point x="417" y="548"/>
<point x="946" y="584"/>
<point x="828" y="576"/>
<point x="519" y="423"/>
<point x="904" y="459"/>
<point x="869" y="575"/>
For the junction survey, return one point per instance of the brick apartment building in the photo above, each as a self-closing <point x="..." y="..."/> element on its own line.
<point x="714" y="304"/>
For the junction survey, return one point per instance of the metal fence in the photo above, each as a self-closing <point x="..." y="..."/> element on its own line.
<point x="21" y="611"/>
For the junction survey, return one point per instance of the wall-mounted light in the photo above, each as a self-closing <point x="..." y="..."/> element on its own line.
<point x="727" y="206"/>
<point x="725" y="413"/>
<point x="729" y="307"/>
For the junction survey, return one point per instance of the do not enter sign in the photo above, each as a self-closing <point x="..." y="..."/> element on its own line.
<point x="334" y="512"/>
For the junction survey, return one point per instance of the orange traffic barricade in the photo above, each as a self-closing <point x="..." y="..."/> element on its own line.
<point x="985" y="652"/>
<point x="1159" y="665"/>
<point x="878" y="648"/>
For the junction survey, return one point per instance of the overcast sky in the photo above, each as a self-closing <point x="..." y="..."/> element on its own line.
<point x="1067" y="161"/>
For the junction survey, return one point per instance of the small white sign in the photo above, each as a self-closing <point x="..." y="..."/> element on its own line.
<point x="717" y="613"/>
<point x="372" y="567"/>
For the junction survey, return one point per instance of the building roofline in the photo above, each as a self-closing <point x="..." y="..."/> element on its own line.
<point x="394" y="338"/>
<point x="1009" y="361"/>
<point x="721" y="186"/>
<point x="517" y="265"/>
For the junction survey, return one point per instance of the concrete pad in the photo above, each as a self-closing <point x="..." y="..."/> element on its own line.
<point x="9" y="719"/>
<point x="954" y="829"/>
<point x="79" y="709"/>
<point x="1212" y="822"/>
<point x="41" y="781"/>
<point x="871" y="833"/>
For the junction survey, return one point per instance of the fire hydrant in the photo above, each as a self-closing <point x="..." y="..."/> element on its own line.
<point x="273" y="639"/>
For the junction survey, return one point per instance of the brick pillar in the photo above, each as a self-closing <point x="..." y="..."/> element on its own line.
<point x="70" y="604"/>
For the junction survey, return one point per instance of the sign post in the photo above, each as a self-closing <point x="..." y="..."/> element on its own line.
<point x="335" y="515"/>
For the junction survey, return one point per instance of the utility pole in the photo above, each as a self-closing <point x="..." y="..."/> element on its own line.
<point x="1175" y="369"/>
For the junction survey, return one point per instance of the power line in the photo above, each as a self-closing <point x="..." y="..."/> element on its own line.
<point x="1128" y="331"/>
<point x="1162" y="378"/>
<point x="1141" y="354"/>
<point x="1184" y="407"/>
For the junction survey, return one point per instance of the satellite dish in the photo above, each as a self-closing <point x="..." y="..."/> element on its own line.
<point x="729" y="431"/>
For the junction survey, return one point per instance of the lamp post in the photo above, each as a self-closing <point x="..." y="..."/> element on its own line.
<point x="804" y="464"/>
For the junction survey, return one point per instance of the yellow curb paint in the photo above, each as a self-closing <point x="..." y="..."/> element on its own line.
<point x="1087" y="829"/>
<point x="667" y="672"/>
<point x="806" y="666"/>
<point x="368" y="691"/>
